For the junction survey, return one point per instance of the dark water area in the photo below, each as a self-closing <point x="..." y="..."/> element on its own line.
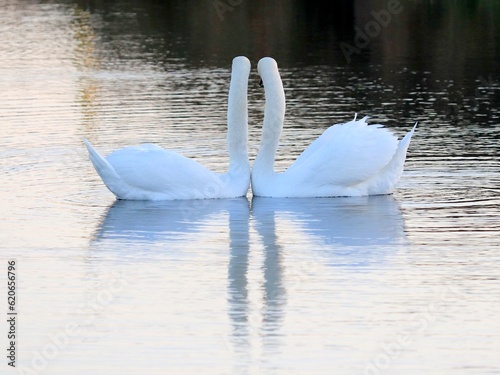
<point x="417" y="34"/>
<point x="452" y="41"/>
<point x="436" y="62"/>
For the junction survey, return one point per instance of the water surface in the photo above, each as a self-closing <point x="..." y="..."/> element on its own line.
<point x="406" y="283"/>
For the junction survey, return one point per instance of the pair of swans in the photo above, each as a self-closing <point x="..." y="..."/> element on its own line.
<point x="351" y="159"/>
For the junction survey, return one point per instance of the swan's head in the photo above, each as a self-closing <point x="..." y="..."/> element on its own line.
<point x="266" y="64"/>
<point x="241" y="64"/>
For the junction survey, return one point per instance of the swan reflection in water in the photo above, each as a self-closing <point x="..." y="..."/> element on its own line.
<point x="356" y="232"/>
<point x="157" y="222"/>
<point x="314" y="233"/>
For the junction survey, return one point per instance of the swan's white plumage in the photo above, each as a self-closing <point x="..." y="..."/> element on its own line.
<point x="351" y="159"/>
<point x="149" y="172"/>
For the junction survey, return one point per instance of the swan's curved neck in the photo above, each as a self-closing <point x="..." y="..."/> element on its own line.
<point x="274" y="115"/>
<point x="237" y="123"/>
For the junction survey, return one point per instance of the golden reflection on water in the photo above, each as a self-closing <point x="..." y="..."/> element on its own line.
<point x="87" y="62"/>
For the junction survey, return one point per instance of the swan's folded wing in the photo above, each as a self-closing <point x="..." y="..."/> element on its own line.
<point x="151" y="168"/>
<point x="347" y="155"/>
<point x="327" y="137"/>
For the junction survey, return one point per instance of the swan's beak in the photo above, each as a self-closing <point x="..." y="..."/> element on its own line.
<point x="261" y="83"/>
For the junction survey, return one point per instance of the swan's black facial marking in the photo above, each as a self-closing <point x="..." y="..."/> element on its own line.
<point x="261" y="83"/>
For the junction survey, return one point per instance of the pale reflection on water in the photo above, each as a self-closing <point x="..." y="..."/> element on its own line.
<point x="402" y="284"/>
<point x="268" y="250"/>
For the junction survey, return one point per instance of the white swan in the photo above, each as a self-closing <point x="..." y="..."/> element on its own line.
<point x="351" y="159"/>
<point x="148" y="172"/>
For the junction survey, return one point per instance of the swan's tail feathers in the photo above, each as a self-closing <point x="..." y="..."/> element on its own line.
<point x="100" y="164"/>
<point x="405" y="142"/>
<point x="387" y="179"/>
<point x="106" y="171"/>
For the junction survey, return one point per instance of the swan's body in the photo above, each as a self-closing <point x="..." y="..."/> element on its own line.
<point x="351" y="159"/>
<point x="148" y="172"/>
